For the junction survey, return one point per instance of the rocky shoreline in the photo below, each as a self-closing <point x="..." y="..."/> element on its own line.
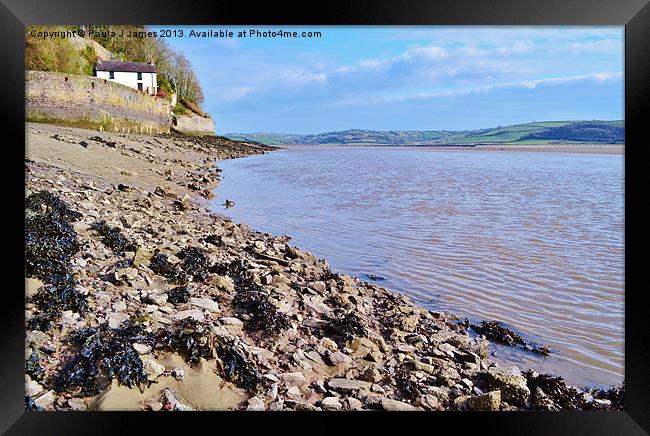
<point x="139" y="298"/>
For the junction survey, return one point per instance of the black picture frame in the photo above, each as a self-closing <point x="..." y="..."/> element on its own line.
<point x="633" y="14"/>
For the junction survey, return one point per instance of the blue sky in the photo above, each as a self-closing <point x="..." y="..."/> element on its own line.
<point x="407" y="77"/>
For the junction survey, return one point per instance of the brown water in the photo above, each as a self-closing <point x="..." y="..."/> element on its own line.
<point x="534" y="239"/>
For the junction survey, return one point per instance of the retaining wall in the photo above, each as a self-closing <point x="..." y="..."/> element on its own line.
<point x="93" y="102"/>
<point x="194" y="124"/>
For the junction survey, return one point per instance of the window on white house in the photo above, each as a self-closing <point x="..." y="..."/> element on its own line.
<point x="139" y="86"/>
<point x="111" y="74"/>
<point x="139" y="76"/>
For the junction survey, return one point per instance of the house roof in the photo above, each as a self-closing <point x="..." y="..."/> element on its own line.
<point x="131" y="67"/>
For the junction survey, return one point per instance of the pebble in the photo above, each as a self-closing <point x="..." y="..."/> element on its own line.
<point x="397" y="406"/>
<point x="345" y="385"/>
<point x="141" y="348"/>
<point x="293" y="378"/>
<point x="331" y="403"/>
<point x="340" y="358"/>
<point x="255" y="404"/>
<point x="205" y="303"/>
<point x="153" y="369"/>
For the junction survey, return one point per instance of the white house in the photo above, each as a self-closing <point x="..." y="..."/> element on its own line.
<point x="136" y="75"/>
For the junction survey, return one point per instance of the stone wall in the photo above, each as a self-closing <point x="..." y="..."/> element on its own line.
<point x="193" y="124"/>
<point x="92" y="102"/>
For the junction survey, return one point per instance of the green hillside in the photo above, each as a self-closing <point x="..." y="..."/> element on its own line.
<point x="547" y="132"/>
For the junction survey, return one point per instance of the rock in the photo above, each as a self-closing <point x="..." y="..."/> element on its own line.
<point x="294" y="393"/>
<point x="119" y="306"/>
<point x="510" y="382"/>
<point x="362" y="347"/>
<point x="205" y="303"/>
<point x="370" y="374"/>
<point x="344" y="385"/>
<point x="267" y="279"/>
<point x="293" y="378"/>
<point x="32" y="387"/>
<point x="164" y="192"/>
<point x="397" y="406"/>
<point x="354" y="404"/>
<point x="191" y="313"/>
<point x="141" y="257"/>
<point x="155" y="405"/>
<point x="141" y="348"/>
<point x="126" y="274"/>
<point x="431" y="402"/>
<point x="602" y="403"/>
<point x="46" y="401"/>
<point x="179" y="373"/>
<point x="159" y="298"/>
<point x="328" y="344"/>
<point x="153" y="369"/>
<point x="490" y="401"/>
<point x="340" y="358"/>
<point x="78" y="404"/>
<point x="231" y="321"/>
<point x="256" y="404"/>
<point x="460" y="402"/>
<point x="331" y="403"/>
<point x="221" y="282"/>
<point x="31" y="286"/>
<point x="319" y="287"/>
<point x="115" y="319"/>
<point x="410" y="322"/>
<point x="172" y="400"/>
<point x="315" y="357"/>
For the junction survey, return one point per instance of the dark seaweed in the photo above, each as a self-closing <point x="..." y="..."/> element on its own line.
<point x="50" y="243"/>
<point x="329" y="275"/>
<point x="103" y="351"/>
<point x="178" y="295"/>
<point x="374" y="277"/>
<point x="253" y="300"/>
<point x="237" y="368"/>
<point x="33" y="367"/>
<point x="195" y="262"/>
<point x="407" y="387"/>
<point x="215" y="240"/>
<point x="497" y="332"/>
<point x="190" y="338"/>
<point x="44" y="202"/>
<point x="348" y="325"/>
<point x="53" y="299"/>
<point x="566" y="398"/>
<point x="113" y="238"/>
<point x="264" y="314"/>
<point x="161" y="265"/>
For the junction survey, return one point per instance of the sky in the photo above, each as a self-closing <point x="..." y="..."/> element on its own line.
<point x="405" y="77"/>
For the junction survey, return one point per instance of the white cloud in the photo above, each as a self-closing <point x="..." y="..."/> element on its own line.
<point x="235" y="93"/>
<point x="303" y="77"/>
<point x="527" y="84"/>
<point x="431" y="52"/>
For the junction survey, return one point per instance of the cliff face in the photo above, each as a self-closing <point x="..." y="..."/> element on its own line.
<point x="93" y="102"/>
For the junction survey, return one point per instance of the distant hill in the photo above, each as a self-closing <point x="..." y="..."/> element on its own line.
<point x="548" y="132"/>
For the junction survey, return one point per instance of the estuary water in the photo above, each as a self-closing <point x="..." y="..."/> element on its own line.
<point x="533" y="239"/>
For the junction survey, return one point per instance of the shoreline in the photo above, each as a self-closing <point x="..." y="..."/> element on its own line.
<point x="272" y="327"/>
